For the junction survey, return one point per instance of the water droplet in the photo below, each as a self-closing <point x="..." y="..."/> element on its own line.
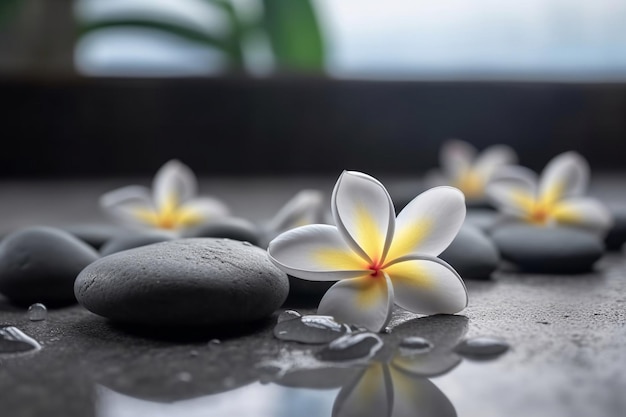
<point x="310" y="329"/>
<point x="350" y="347"/>
<point x="246" y="243"/>
<point x="184" y="377"/>
<point x="414" y="345"/>
<point x="193" y="353"/>
<point x="386" y="330"/>
<point x="215" y="342"/>
<point x="288" y="315"/>
<point x="37" y="312"/>
<point x="482" y="347"/>
<point x="13" y="340"/>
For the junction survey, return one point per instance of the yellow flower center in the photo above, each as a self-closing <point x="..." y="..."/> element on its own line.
<point x="471" y="183"/>
<point x="171" y="215"/>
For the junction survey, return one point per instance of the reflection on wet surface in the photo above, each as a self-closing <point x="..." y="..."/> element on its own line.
<point x="388" y="382"/>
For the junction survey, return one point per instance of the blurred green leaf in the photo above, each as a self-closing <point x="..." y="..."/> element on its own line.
<point x="294" y="34"/>
<point x="8" y="8"/>
<point x="187" y="33"/>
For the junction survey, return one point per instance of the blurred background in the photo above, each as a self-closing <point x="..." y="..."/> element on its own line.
<point x="94" y="88"/>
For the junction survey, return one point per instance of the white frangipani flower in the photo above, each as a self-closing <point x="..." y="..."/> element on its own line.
<point x="556" y="198"/>
<point x="374" y="255"/>
<point x="469" y="171"/>
<point x="172" y="205"/>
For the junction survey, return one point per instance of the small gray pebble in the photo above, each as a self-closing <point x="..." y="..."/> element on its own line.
<point x="40" y="264"/>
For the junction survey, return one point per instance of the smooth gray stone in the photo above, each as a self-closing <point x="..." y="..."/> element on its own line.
<point x="482" y="218"/>
<point x="472" y="254"/>
<point x="548" y="249"/>
<point x="184" y="282"/>
<point x="95" y="235"/>
<point x="40" y="264"/>
<point x="133" y="240"/>
<point x="229" y="227"/>
<point x="616" y="237"/>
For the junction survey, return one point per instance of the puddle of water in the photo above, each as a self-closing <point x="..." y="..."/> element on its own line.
<point x="310" y="329"/>
<point x="13" y="340"/>
<point x="351" y="347"/>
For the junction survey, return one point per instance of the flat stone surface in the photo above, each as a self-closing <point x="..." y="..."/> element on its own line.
<point x="184" y="282"/>
<point x="548" y="249"/>
<point x="567" y="337"/>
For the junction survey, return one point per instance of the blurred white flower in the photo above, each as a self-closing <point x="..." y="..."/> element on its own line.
<point x="172" y="204"/>
<point x="555" y="198"/>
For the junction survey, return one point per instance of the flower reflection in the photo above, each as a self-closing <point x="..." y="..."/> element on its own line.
<point x="395" y="383"/>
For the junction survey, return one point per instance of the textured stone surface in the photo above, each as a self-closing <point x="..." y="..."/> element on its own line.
<point x="472" y="254"/>
<point x="550" y="250"/>
<point x="40" y="264"/>
<point x="185" y="282"/>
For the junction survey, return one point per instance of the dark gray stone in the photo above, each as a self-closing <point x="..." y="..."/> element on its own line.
<point x="472" y="254"/>
<point x="482" y="218"/>
<point x="229" y="227"/>
<point x="185" y="282"/>
<point x="95" y="234"/>
<point x="40" y="264"/>
<point x="616" y="237"/>
<point x="308" y="291"/>
<point x="133" y="240"/>
<point x="547" y="249"/>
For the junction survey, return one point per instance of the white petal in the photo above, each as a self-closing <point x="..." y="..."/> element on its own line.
<point x="365" y="301"/>
<point x="304" y="208"/>
<point x="429" y="223"/>
<point x="566" y="175"/>
<point x="417" y="396"/>
<point x="513" y="190"/>
<point x="200" y="210"/>
<point x="370" y="394"/>
<point x="456" y="158"/>
<point x="427" y="285"/>
<point x="173" y="184"/>
<point x="126" y="204"/>
<point x="364" y="214"/>
<point x="493" y="158"/>
<point x="315" y="252"/>
<point x="584" y="212"/>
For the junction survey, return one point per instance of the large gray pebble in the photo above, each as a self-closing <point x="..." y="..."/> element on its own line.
<point x="95" y="234"/>
<point x="616" y="237"/>
<point x="133" y="240"/>
<point x="185" y="282"/>
<point x="548" y="249"/>
<point x="40" y="264"/>
<point x="472" y="254"/>
<point x="481" y="218"/>
<point x="229" y="227"/>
